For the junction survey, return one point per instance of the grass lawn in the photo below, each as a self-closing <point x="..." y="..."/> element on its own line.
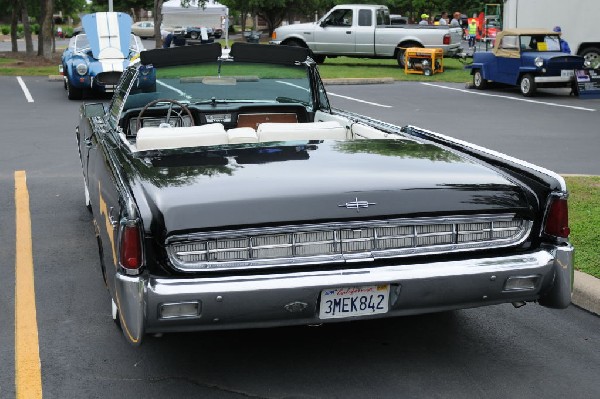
<point x="584" y="220"/>
<point x="341" y="67"/>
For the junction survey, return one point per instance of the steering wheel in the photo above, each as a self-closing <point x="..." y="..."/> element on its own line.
<point x="138" y="121"/>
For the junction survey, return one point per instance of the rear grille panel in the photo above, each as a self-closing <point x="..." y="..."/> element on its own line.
<point x="289" y="246"/>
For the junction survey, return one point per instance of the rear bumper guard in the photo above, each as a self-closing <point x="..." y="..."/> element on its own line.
<point x="293" y="298"/>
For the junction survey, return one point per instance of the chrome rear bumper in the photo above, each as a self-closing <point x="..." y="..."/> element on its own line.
<point x="293" y="298"/>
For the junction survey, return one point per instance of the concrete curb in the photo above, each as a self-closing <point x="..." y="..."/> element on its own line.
<point x="586" y="292"/>
<point x="357" y="81"/>
<point x="55" y="78"/>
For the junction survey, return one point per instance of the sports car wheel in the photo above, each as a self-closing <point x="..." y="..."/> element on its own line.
<point x="193" y="35"/>
<point x="478" y="81"/>
<point x="74" y="93"/>
<point x="527" y="86"/>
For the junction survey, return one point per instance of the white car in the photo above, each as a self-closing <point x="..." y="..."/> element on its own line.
<point x="143" y="29"/>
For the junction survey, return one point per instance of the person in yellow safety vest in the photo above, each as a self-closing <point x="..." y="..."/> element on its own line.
<point x="473" y="26"/>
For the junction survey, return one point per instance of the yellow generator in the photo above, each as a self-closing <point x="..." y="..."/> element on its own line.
<point x="425" y="61"/>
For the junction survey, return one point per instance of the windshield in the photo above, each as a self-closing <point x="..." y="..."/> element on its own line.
<point x="227" y="82"/>
<point x="82" y="44"/>
<point x="540" y="43"/>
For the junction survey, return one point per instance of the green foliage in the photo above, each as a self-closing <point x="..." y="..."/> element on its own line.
<point x="584" y="219"/>
<point x="35" y="28"/>
<point x="5" y="29"/>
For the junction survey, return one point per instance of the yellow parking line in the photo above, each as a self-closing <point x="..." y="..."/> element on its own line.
<point x="28" y="376"/>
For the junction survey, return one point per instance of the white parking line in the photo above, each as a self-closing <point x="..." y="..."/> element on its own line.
<point x="509" y="97"/>
<point x="358" y="100"/>
<point x="25" y="90"/>
<point x="339" y="95"/>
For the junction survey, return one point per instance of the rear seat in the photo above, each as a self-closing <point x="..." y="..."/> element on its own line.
<point x="157" y="138"/>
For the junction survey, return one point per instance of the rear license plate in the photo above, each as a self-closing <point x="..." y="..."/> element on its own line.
<point x="337" y="303"/>
<point x="567" y="73"/>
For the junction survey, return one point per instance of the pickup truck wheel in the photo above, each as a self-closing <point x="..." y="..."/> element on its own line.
<point x="592" y="54"/>
<point x="478" y="81"/>
<point x="73" y="93"/>
<point x="319" y="59"/>
<point x="400" y="54"/>
<point x="193" y="35"/>
<point x="294" y="43"/>
<point x="527" y="85"/>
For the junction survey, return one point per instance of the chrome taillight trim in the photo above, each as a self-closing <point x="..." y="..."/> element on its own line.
<point x="348" y="241"/>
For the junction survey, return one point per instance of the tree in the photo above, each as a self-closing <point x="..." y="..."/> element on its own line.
<point x="157" y="22"/>
<point x="46" y="32"/>
<point x="274" y="12"/>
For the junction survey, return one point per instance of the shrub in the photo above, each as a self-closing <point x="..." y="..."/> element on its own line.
<point x="5" y="29"/>
<point x="35" y="28"/>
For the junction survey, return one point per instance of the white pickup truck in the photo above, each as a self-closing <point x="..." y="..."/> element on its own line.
<point x="365" y="31"/>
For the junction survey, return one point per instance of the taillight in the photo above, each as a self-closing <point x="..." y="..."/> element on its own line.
<point x="274" y="35"/>
<point x="447" y="38"/>
<point x="557" y="219"/>
<point x="130" y="255"/>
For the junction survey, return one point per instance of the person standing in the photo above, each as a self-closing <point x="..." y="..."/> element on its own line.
<point x="444" y="18"/>
<point x="167" y="37"/>
<point x="564" y="46"/>
<point x="424" y="19"/>
<point x="472" y="31"/>
<point x="455" y="19"/>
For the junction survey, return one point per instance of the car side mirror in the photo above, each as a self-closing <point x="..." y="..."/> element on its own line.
<point x="95" y="109"/>
<point x="323" y="23"/>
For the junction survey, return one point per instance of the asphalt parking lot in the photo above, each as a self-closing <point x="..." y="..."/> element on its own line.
<point x="496" y="352"/>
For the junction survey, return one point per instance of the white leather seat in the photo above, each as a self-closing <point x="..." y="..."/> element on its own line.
<point x="159" y="138"/>
<point x="241" y="135"/>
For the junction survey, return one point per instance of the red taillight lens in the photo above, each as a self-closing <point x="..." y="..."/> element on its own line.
<point x="557" y="220"/>
<point x="447" y="38"/>
<point x="131" y="247"/>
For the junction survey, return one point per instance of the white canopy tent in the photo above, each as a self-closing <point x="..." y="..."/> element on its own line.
<point x="212" y="15"/>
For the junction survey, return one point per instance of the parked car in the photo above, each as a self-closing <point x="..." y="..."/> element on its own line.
<point x="396" y="19"/>
<point x="95" y="60"/>
<point x="200" y="33"/>
<point x="143" y="29"/>
<point x="235" y="196"/>
<point x="76" y="31"/>
<point x="528" y="58"/>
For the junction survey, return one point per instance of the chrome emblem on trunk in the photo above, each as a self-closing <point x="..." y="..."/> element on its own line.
<point x="356" y="204"/>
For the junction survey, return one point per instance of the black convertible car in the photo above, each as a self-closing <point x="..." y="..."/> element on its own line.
<point x="235" y="196"/>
